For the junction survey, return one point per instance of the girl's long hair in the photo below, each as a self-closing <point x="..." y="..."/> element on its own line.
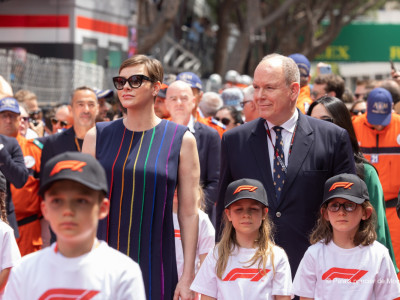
<point x="3" y="210"/>
<point x="364" y="236"/>
<point x="228" y="243"/>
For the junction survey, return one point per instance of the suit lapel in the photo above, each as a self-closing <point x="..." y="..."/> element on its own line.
<point x="258" y="143"/>
<point x="303" y="140"/>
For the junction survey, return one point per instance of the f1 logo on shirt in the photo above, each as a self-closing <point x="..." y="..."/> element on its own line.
<point x="252" y="274"/>
<point x="75" y="294"/>
<point x="352" y="274"/>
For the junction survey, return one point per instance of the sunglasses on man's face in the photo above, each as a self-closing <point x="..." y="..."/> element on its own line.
<point x="224" y="121"/>
<point x="358" y="111"/>
<point x="54" y="121"/>
<point x="35" y="112"/>
<point x="135" y="81"/>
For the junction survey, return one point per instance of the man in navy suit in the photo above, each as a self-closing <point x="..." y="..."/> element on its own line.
<point x="179" y="102"/>
<point x="313" y="151"/>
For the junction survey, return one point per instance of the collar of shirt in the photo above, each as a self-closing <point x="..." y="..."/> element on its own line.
<point x="190" y="125"/>
<point x="289" y="125"/>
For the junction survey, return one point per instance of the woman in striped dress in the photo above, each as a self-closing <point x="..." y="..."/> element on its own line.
<point x="145" y="159"/>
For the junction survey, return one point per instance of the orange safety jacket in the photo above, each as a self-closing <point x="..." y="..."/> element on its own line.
<point x="26" y="199"/>
<point x="382" y="149"/>
<point x="304" y="100"/>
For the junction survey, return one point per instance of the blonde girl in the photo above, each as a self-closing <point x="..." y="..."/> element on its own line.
<point x="246" y="264"/>
<point x="345" y="261"/>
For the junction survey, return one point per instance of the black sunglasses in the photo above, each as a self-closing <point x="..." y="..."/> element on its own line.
<point x="327" y="119"/>
<point x="54" y="121"/>
<point x="35" y="112"/>
<point x="135" y="81"/>
<point x="356" y="111"/>
<point x="224" y="121"/>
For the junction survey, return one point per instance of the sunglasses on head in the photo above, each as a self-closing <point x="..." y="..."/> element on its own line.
<point x="327" y="119"/>
<point x="134" y="81"/>
<point x="358" y="111"/>
<point x="224" y="121"/>
<point x="347" y="206"/>
<point x="54" y="121"/>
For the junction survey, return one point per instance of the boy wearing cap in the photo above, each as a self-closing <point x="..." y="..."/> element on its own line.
<point x="345" y="261"/>
<point x="378" y="134"/>
<point x="74" y="186"/>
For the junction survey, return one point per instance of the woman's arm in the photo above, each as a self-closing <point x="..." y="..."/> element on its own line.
<point x="89" y="143"/>
<point x="188" y="196"/>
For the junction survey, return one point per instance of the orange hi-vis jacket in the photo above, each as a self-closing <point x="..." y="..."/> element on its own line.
<point x="26" y="199"/>
<point x="382" y="149"/>
<point x="304" y="100"/>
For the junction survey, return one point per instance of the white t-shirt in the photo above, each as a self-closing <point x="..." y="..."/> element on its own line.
<point x="241" y="281"/>
<point x="205" y="241"/>
<point x="9" y="255"/>
<point x="331" y="272"/>
<point x="102" y="273"/>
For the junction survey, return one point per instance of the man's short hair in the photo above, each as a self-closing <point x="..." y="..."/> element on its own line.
<point x="290" y="69"/>
<point x="82" y="88"/>
<point x="210" y="103"/>
<point x="333" y="82"/>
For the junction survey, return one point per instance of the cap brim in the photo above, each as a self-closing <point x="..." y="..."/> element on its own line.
<point x="246" y="197"/>
<point x="376" y="119"/>
<point x="47" y="185"/>
<point x="347" y="197"/>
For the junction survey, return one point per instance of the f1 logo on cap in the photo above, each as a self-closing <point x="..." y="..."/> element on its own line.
<point x="345" y="185"/>
<point x="249" y="188"/>
<point x="73" y="165"/>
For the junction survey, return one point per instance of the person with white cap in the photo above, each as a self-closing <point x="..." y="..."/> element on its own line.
<point x="378" y="134"/>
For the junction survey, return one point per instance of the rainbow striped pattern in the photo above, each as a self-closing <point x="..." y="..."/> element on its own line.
<point x="142" y="171"/>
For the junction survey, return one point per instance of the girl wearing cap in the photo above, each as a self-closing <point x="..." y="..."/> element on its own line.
<point x="246" y="264"/>
<point x="345" y="261"/>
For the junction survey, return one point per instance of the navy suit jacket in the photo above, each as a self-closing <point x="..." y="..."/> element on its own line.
<point x="12" y="165"/>
<point x="320" y="151"/>
<point x="209" y="148"/>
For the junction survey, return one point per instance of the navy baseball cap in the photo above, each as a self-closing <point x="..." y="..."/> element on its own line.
<point x="302" y="62"/>
<point x="245" y="189"/>
<point x="9" y="104"/>
<point x="379" y="107"/>
<point x="192" y="79"/>
<point x="76" y="166"/>
<point x="103" y="93"/>
<point x="346" y="186"/>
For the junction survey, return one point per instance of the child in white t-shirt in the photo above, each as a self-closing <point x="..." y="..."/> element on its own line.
<point x="77" y="266"/>
<point x="345" y="261"/>
<point x="205" y="240"/>
<point x="9" y="252"/>
<point x="246" y="264"/>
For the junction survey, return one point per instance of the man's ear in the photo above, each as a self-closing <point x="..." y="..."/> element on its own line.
<point x="294" y="90"/>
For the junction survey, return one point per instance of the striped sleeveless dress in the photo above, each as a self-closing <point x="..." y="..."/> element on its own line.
<point x="142" y="171"/>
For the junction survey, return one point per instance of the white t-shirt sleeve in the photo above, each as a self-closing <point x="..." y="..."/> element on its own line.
<point x="10" y="254"/>
<point x="206" y="280"/>
<point x="282" y="282"/>
<point x="13" y="287"/>
<point x="305" y="279"/>
<point x="386" y="285"/>
<point x="131" y="283"/>
<point x="206" y="240"/>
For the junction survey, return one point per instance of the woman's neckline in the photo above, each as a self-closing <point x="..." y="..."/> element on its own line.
<point x="124" y="125"/>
